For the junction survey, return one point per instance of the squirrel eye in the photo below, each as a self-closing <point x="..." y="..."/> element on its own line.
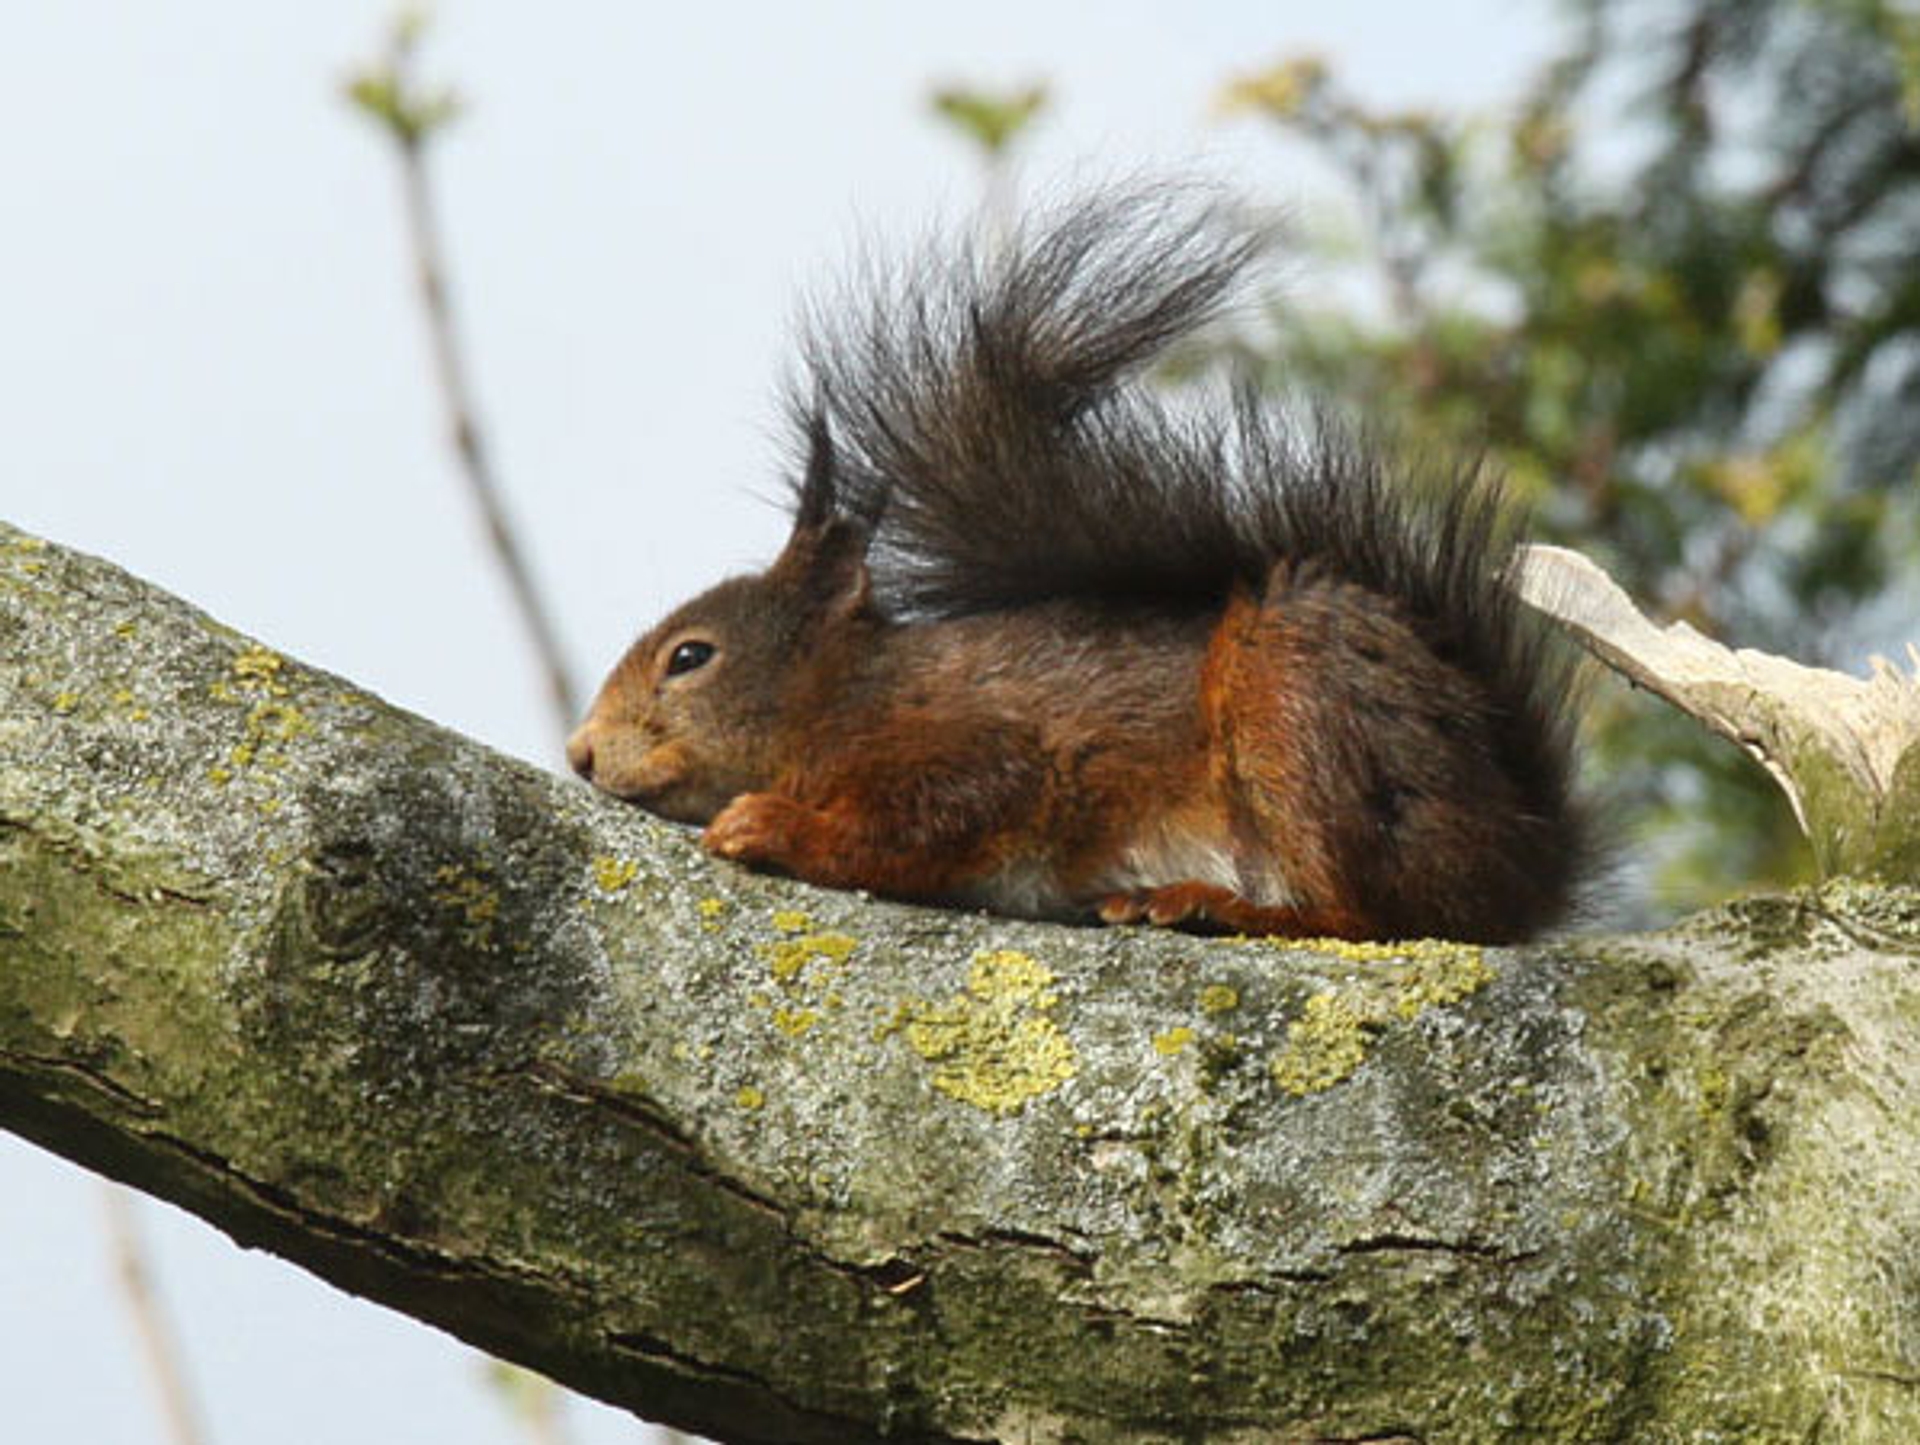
<point x="687" y="656"/>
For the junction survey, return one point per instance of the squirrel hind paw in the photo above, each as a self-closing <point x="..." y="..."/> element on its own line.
<point x="1189" y="904"/>
<point x="1209" y="908"/>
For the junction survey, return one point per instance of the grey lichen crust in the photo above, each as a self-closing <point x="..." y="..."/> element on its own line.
<point x="785" y="1165"/>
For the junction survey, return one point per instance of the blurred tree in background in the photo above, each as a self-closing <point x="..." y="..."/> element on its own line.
<point x="1675" y="296"/>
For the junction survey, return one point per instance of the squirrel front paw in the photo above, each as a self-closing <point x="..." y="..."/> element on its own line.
<point x="755" y="828"/>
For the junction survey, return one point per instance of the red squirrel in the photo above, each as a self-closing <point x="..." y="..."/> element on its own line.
<point x="1046" y="642"/>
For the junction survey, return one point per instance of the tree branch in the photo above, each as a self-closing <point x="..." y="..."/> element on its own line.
<point x="776" y="1164"/>
<point x="1845" y="750"/>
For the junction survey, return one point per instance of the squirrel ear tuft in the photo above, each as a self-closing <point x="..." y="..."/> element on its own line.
<point x="830" y="563"/>
<point x="818" y="496"/>
<point x="827" y="551"/>
<point x="843" y="569"/>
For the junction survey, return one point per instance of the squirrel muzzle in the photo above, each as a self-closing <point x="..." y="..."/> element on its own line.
<point x="658" y="776"/>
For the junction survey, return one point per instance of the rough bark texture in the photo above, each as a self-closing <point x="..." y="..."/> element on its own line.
<point x="783" y="1165"/>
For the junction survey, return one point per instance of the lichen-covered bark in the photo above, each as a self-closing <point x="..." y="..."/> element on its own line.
<point x="784" y="1165"/>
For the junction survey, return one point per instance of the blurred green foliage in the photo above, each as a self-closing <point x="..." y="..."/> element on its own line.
<point x="1675" y="296"/>
<point x="991" y="120"/>
<point x="389" y="93"/>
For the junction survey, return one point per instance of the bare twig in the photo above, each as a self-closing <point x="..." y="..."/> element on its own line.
<point x="478" y="470"/>
<point x="164" y="1367"/>
<point x="412" y="117"/>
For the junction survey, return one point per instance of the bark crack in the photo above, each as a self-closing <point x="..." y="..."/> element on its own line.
<point x="26" y="1063"/>
<point x="559" y="1083"/>
<point x="1392" y="1243"/>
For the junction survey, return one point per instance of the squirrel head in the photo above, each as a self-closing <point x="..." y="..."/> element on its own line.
<point x="712" y="702"/>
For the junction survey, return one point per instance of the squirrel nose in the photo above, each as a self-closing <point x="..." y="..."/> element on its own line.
<point x="580" y="752"/>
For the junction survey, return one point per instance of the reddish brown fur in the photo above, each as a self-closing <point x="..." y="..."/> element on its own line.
<point x="1060" y="760"/>
<point x="1112" y="659"/>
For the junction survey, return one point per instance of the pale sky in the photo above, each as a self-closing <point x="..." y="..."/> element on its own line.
<point x="214" y="374"/>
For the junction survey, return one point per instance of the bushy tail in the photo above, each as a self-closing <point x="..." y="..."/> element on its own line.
<point x="984" y="403"/>
<point x="990" y="423"/>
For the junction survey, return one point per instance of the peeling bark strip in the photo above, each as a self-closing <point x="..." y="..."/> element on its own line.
<point x="1845" y="750"/>
<point x="781" y="1165"/>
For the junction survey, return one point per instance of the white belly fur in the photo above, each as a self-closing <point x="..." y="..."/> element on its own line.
<point x="1160" y="855"/>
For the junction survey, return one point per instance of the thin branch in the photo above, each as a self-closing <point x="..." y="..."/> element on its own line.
<point x="423" y="227"/>
<point x="164" y="1366"/>
<point x="411" y="118"/>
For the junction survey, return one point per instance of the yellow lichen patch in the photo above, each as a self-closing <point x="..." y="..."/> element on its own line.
<point x="1172" y="1041"/>
<point x="790" y="958"/>
<point x="129" y="705"/>
<point x="1324" y="1045"/>
<point x="1008" y="973"/>
<point x="1347" y="948"/>
<point x="120" y="702"/>
<point x="613" y="875"/>
<point x="272" y="721"/>
<point x="793" y="1022"/>
<point x="271" y="725"/>
<point x="258" y="670"/>
<point x="472" y="898"/>
<point x="804" y="969"/>
<point x="1219" y="998"/>
<point x="995" y="1046"/>
<point x="277" y="722"/>
<point x="1439" y="974"/>
<point x="1328" y="1042"/>
<point x="748" y="1097"/>
<point x="791" y="920"/>
<point x="21" y="552"/>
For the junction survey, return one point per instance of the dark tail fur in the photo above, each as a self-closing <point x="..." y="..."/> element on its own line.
<point x="990" y="424"/>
